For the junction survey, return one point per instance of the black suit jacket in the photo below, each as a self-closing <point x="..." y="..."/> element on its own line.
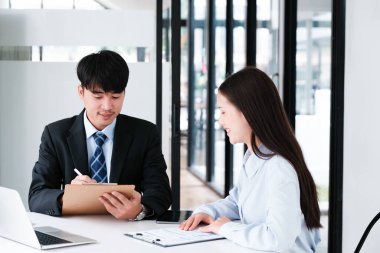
<point x="136" y="159"/>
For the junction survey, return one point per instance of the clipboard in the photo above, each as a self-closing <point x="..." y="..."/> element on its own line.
<point x="83" y="198"/>
<point x="168" y="237"/>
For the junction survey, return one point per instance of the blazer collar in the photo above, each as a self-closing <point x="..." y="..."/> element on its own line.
<point x="121" y="143"/>
<point x="77" y="144"/>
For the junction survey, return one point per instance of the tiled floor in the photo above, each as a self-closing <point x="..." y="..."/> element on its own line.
<point x="193" y="192"/>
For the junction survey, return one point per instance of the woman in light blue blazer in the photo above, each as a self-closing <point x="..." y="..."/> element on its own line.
<point x="274" y="206"/>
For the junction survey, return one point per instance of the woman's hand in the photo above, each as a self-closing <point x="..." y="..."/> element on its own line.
<point x="214" y="227"/>
<point x="193" y="221"/>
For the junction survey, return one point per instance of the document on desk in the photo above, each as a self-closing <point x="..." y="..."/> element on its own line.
<point x="84" y="198"/>
<point x="167" y="237"/>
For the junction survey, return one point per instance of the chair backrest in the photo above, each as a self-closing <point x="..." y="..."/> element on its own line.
<point x="366" y="232"/>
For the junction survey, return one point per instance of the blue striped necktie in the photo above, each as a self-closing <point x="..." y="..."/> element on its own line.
<point x="98" y="161"/>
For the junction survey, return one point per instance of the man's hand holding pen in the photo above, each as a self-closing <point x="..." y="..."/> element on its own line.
<point x="80" y="179"/>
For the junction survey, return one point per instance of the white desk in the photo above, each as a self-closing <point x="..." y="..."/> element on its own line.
<point x="109" y="232"/>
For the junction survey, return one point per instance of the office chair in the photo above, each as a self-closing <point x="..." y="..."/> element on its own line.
<point x="366" y="232"/>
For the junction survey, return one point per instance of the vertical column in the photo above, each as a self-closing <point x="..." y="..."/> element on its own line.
<point x="251" y="32"/>
<point x="210" y="156"/>
<point x="176" y="81"/>
<point x="290" y="40"/>
<point x="337" y="125"/>
<point x="228" y="159"/>
<point x="159" y="65"/>
<point x="191" y="97"/>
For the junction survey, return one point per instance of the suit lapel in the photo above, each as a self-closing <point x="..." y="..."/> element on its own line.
<point x="77" y="145"/>
<point x="122" y="140"/>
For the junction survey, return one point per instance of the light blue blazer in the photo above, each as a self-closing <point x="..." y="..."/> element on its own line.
<point x="265" y="208"/>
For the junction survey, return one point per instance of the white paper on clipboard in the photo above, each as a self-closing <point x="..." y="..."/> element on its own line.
<point x="167" y="237"/>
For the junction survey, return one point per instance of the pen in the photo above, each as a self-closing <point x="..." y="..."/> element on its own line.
<point x="78" y="172"/>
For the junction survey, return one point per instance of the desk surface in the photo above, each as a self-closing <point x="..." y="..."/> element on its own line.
<point x="109" y="232"/>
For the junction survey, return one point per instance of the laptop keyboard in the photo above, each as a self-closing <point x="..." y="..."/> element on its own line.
<point x="46" y="239"/>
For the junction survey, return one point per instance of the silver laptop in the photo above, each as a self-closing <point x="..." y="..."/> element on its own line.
<point x="15" y="225"/>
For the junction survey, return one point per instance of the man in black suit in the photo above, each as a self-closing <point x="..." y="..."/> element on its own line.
<point x="129" y="151"/>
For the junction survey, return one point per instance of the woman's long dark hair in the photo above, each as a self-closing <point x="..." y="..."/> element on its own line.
<point x="256" y="96"/>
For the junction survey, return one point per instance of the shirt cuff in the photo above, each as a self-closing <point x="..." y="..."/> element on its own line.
<point x="149" y="212"/>
<point x="227" y="228"/>
<point x="205" y="209"/>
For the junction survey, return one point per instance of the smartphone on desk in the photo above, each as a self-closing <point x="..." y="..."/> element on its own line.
<point x="173" y="216"/>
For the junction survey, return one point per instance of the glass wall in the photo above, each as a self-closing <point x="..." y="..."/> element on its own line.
<point x="313" y="96"/>
<point x="198" y="138"/>
<point x="239" y="62"/>
<point x="218" y="175"/>
<point x="197" y="161"/>
<point x="239" y="34"/>
<point x="267" y="55"/>
<point x="267" y="48"/>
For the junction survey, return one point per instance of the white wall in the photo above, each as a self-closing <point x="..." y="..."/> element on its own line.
<point x="77" y="28"/>
<point x="361" y="189"/>
<point x="33" y="94"/>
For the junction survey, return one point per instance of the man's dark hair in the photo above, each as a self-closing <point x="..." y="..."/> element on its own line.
<point x="106" y="70"/>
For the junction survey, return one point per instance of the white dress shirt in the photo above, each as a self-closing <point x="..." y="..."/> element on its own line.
<point x="107" y="146"/>
<point x="265" y="208"/>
